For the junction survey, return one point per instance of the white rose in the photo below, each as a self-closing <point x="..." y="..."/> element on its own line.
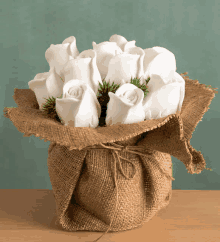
<point x="125" y="106"/>
<point x="123" y="60"/>
<point x="83" y="68"/>
<point x="159" y="61"/>
<point x="79" y="106"/>
<point x="58" y="55"/>
<point x="164" y="98"/>
<point x="105" y="51"/>
<point x="151" y="53"/>
<point x="108" y="49"/>
<point x="125" y="66"/>
<point x="121" y="41"/>
<point x="46" y="85"/>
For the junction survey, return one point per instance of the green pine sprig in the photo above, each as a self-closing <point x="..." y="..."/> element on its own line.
<point x="104" y="88"/>
<point x="103" y="91"/>
<point x="49" y="108"/>
<point x="143" y="87"/>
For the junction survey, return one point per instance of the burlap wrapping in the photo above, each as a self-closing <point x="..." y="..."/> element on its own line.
<point x="84" y="187"/>
<point x="92" y="185"/>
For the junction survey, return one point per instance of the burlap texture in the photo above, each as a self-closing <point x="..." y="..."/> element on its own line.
<point x="82" y="177"/>
<point x="85" y="194"/>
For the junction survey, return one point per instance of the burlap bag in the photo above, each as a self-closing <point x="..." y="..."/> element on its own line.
<point x="114" y="178"/>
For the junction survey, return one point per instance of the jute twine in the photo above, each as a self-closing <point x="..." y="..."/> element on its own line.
<point x="131" y="149"/>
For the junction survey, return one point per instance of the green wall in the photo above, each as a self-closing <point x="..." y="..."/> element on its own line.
<point x="188" y="28"/>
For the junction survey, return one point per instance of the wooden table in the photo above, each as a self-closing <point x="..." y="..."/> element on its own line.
<point x="29" y="215"/>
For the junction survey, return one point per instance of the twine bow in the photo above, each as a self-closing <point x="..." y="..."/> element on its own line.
<point x="115" y="154"/>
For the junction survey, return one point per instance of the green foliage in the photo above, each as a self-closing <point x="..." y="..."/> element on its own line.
<point x="49" y="108"/>
<point x="143" y="87"/>
<point x="103" y="91"/>
<point x="104" y="88"/>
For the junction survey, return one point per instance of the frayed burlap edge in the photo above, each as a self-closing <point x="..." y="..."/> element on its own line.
<point x="74" y="138"/>
<point x="30" y="120"/>
<point x="199" y="114"/>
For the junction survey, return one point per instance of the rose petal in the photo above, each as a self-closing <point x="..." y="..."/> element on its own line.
<point x="83" y="84"/>
<point x="178" y="78"/>
<point x="122" y="68"/>
<point x="138" y="51"/>
<point x="160" y="50"/>
<point x="121" y="110"/>
<point x="129" y="46"/>
<point x="165" y="99"/>
<point x="105" y="51"/>
<point x="150" y="54"/>
<point x="155" y="83"/>
<point x="57" y="56"/>
<point x="72" y="50"/>
<point x="130" y="87"/>
<point x="117" y="110"/>
<point x="54" y="84"/>
<point x="148" y="115"/>
<point x="120" y="40"/>
<point x="83" y="68"/>
<point x="71" y="84"/>
<point x="39" y="88"/>
<point x="164" y="64"/>
<point x="80" y="112"/>
<point x="67" y="109"/>
<point x="42" y="76"/>
<point x="95" y="76"/>
<point x="46" y="87"/>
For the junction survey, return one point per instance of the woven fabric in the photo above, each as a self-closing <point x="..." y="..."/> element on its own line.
<point x="94" y="186"/>
<point x="85" y="194"/>
<point x="170" y="134"/>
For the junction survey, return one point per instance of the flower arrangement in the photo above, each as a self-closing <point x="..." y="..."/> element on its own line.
<point x="49" y="107"/>
<point x="117" y="94"/>
<point x="109" y="84"/>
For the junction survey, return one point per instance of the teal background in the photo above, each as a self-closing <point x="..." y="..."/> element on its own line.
<point x="188" y="28"/>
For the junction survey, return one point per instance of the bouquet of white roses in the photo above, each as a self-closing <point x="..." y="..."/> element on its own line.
<point x="117" y="85"/>
<point x="115" y="82"/>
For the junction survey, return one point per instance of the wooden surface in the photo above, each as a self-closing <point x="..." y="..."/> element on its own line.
<point x="29" y="215"/>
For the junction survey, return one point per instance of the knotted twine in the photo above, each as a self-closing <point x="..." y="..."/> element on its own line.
<point x="115" y="154"/>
